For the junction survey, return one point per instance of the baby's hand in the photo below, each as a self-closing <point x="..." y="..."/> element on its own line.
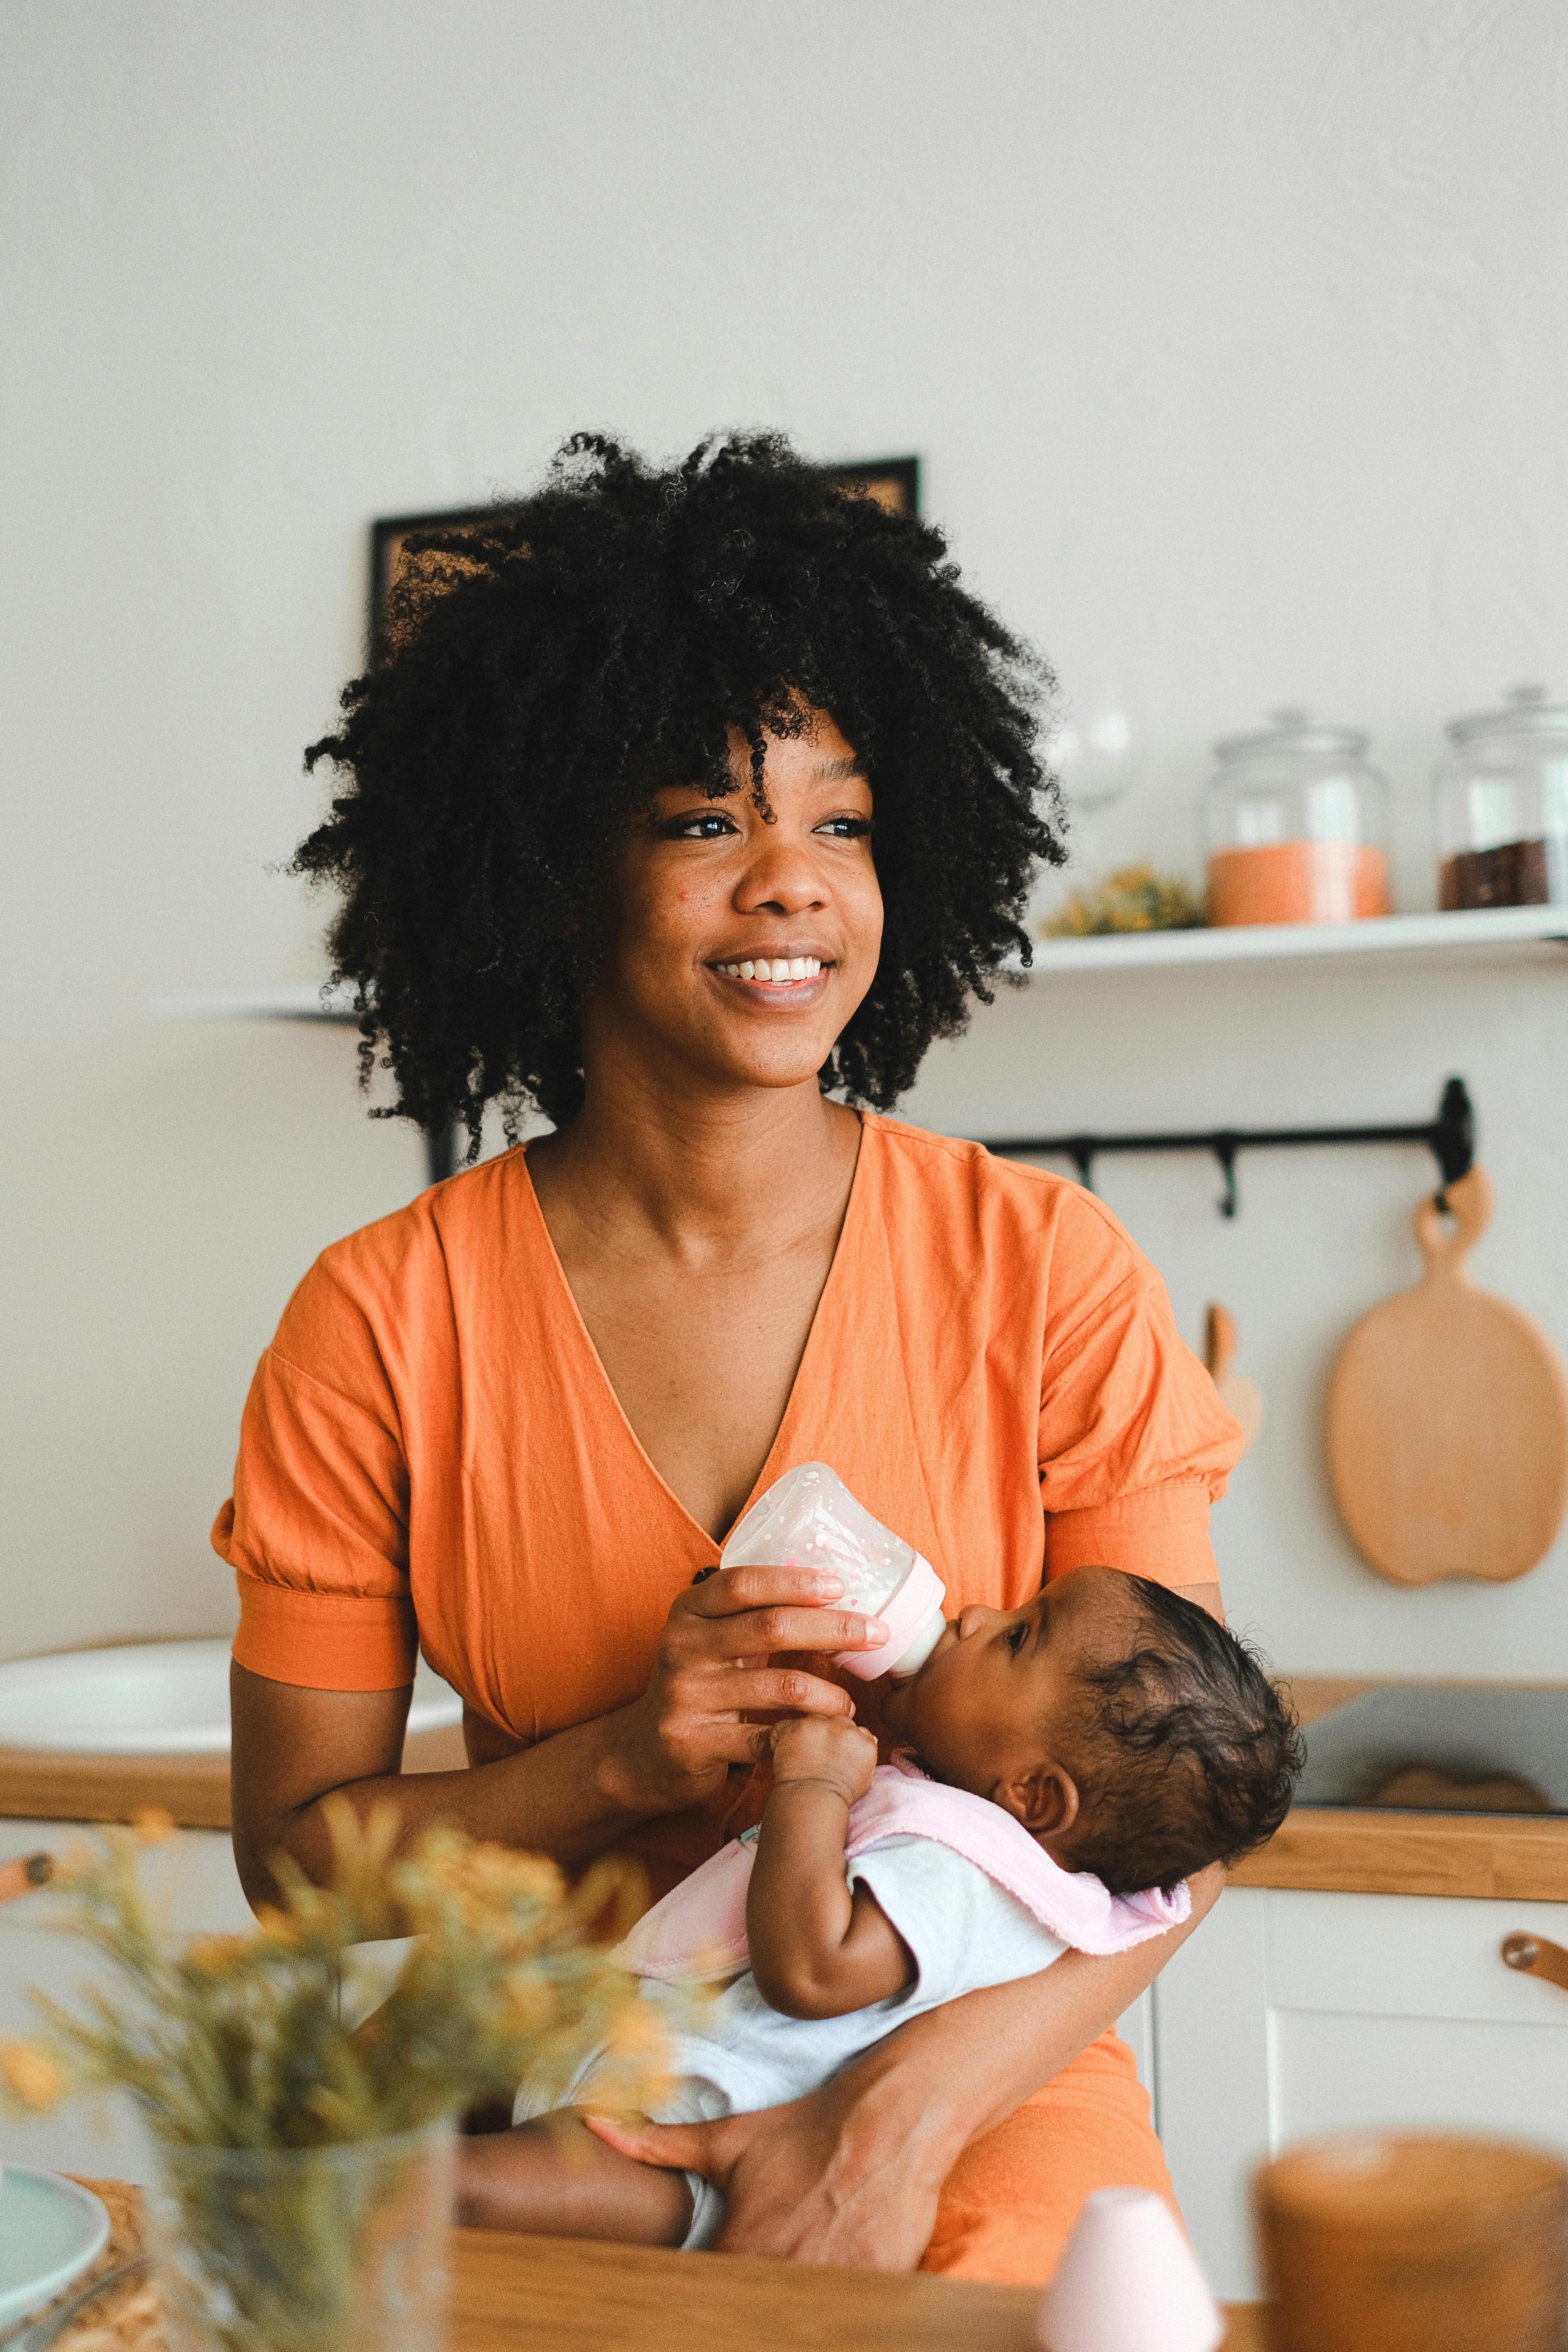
<point x="824" y="1748"/>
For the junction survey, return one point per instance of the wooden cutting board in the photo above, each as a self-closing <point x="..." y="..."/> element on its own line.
<point x="1448" y="1419"/>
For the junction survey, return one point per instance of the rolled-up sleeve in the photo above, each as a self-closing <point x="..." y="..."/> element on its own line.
<point x="1134" y="1444"/>
<point x="317" y="1528"/>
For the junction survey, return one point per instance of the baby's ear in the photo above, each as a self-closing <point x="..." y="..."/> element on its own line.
<point x="1043" y="1798"/>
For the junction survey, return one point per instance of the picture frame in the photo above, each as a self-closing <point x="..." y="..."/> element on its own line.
<point x="893" y="482"/>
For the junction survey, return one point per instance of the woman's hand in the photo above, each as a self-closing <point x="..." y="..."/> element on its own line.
<point x="831" y="2177"/>
<point x="672" y="1746"/>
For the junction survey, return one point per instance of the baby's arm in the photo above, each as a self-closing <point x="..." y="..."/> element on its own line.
<point x="818" y="1951"/>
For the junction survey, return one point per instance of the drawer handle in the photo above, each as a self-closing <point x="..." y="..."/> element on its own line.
<point x="1537" y="1956"/>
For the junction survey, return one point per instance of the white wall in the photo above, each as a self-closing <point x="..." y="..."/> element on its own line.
<point x="1232" y="337"/>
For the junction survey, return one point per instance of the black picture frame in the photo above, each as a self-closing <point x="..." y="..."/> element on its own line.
<point x="895" y="482"/>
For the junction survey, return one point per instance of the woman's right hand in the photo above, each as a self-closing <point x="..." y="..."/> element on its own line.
<point x="673" y="1746"/>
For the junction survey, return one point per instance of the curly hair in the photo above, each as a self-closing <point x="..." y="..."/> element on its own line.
<point x="539" y="678"/>
<point x="1192" y="1754"/>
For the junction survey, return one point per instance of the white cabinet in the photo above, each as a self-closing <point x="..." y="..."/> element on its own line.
<point x="199" y="1890"/>
<point x="1290" y="2013"/>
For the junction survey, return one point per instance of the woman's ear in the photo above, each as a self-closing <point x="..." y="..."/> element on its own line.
<point x="1044" y="1798"/>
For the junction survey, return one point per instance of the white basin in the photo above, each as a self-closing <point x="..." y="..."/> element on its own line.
<point x="158" y="1698"/>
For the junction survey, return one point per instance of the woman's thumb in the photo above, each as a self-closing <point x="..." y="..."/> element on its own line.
<point x="678" y="2147"/>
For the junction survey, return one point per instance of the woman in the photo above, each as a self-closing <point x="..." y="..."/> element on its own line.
<point x="606" y="846"/>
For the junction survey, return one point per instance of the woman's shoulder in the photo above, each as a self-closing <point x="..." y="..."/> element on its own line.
<point x="970" y="1201"/>
<point x="405" y="1263"/>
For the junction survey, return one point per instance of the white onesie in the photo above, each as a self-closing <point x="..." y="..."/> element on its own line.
<point x="963" y="1927"/>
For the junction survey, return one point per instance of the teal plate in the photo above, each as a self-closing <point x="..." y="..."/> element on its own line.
<point x="49" y="2229"/>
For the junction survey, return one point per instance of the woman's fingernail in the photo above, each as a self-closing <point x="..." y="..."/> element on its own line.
<point x="831" y="1586"/>
<point x="876" y="1632"/>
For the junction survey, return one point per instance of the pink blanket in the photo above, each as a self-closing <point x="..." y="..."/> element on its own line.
<point x="697" y="1932"/>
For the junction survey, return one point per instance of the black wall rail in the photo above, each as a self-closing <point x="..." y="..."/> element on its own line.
<point x="1450" y="1138"/>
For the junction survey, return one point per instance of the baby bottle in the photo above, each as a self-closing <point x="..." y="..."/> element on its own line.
<point x="809" y="1518"/>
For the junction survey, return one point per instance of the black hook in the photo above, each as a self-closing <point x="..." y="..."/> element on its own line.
<point x="1452" y="1137"/>
<point x="1080" y="1151"/>
<point x="1225" y="1148"/>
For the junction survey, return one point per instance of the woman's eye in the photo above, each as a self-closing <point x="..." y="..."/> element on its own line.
<point x="712" y="824"/>
<point x="846" y="828"/>
<point x="1015" y="1636"/>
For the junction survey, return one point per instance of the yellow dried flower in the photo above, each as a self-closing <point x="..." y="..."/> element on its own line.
<point x="638" y="2031"/>
<point x="531" y="2005"/>
<point x="213" y="1954"/>
<point x="31" y="2076"/>
<point x="153" y="1824"/>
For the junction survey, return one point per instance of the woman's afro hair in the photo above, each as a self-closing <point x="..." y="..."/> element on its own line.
<point x="538" y="677"/>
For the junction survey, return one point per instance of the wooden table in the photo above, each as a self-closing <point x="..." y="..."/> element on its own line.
<point x="560" y="2295"/>
<point x="557" y="2295"/>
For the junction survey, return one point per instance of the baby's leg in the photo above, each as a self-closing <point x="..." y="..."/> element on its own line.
<point x="554" y="2179"/>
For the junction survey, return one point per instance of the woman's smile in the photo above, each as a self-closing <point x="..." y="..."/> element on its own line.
<point x="785" y="977"/>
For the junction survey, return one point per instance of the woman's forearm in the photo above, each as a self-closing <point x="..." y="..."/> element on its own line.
<point x="570" y="1796"/>
<point x="565" y="1797"/>
<point x="960" y="2070"/>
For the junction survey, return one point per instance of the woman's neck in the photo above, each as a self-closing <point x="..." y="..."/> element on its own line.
<point x="699" y="1176"/>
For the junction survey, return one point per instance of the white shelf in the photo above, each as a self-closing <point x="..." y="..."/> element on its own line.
<point x="291" y="1000"/>
<point x="307" y="1000"/>
<point x="1253" y="942"/>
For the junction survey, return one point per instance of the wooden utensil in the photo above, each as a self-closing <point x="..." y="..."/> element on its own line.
<point x="1448" y="1419"/>
<point x="1375" y="2241"/>
<point x="21" y="1877"/>
<point x="1239" y="1396"/>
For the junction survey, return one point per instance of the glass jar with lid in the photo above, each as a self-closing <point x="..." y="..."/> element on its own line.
<point x="1296" y="827"/>
<point x="1502" y="806"/>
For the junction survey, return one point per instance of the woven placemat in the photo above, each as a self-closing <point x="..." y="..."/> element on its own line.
<point x="128" y="2318"/>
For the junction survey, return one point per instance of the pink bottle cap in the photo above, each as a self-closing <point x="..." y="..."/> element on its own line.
<point x="915" y="1621"/>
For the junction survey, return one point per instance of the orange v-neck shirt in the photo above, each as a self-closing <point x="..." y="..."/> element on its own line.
<point x="432" y="1456"/>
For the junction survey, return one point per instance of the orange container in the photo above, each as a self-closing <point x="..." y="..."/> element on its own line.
<point x="1295" y="823"/>
<point x="1298" y="882"/>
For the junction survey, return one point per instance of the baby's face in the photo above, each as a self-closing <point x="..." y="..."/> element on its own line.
<point x="1003" y="1687"/>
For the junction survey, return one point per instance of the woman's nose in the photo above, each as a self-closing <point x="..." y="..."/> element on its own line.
<point x="785" y="874"/>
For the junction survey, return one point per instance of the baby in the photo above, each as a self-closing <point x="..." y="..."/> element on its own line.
<point x="1108" y="1738"/>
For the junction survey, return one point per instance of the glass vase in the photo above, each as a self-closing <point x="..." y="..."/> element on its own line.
<point x="337" y="2249"/>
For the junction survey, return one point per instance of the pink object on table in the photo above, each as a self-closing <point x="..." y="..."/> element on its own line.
<point x="1127" y="2281"/>
<point x="697" y="1934"/>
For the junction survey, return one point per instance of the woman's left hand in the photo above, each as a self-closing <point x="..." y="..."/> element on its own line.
<point x="827" y="2179"/>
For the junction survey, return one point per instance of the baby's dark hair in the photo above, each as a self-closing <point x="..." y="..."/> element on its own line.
<point x="1187" y="1753"/>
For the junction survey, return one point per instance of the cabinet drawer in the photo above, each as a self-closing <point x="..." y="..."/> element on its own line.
<point x="1410" y="1956"/>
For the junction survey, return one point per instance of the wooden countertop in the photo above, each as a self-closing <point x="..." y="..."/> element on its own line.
<point x="561" y="2295"/>
<point x="1516" y="1857"/>
<point x="60" y="1785"/>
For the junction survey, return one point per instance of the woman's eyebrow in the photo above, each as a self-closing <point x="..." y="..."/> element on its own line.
<point x="837" y="771"/>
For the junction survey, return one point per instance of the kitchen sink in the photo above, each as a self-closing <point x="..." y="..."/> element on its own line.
<point x="163" y="1698"/>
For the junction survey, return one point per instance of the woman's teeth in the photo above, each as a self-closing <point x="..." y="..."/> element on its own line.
<point x="780" y="967"/>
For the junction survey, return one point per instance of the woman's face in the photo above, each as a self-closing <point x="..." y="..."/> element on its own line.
<point x="738" y="947"/>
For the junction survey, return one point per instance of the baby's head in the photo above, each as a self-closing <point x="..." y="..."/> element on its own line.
<point x="1127" y="1730"/>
